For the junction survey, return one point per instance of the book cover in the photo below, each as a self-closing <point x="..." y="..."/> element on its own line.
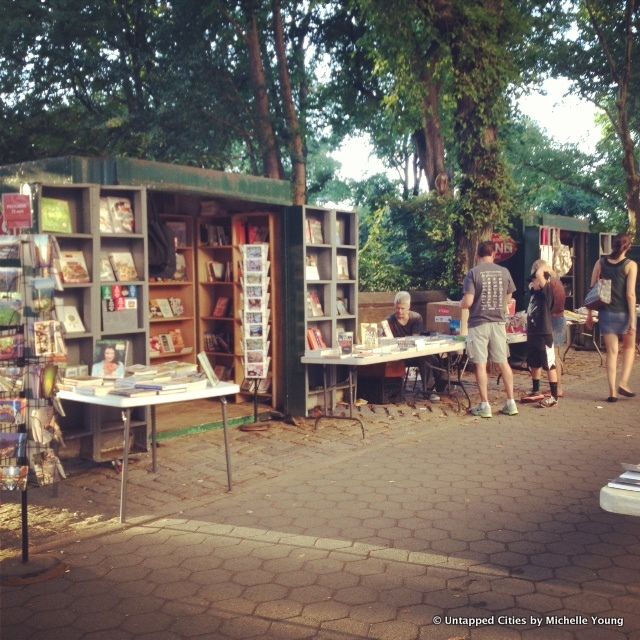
<point x="342" y="306"/>
<point x="345" y="342"/>
<point x="342" y="264"/>
<point x="123" y="266"/>
<point x="341" y="231"/>
<point x="166" y="343"/>
<point x="11" y="307"/>
<point x="41" y="250"/>
<point x="106" y="226"/>
<point x="9" y="248"/>
<point x="386" y="329"/>
<point x="56" y="215"/>
<point x="165" y="307"/>
<point x="311" y="267"/>
<point x="221" y="307"/>
<point x="177" y="339"/>
<point x="106" y="270"/>
<point x="207" y="369"/>
<point x="316" y="304"/>
<point x="73" y="267"/>
<point x="256" y="233"/>
<point x="315" y="230"/>
<point x="154" y="309"/>
<point x="70" y="318"/>
<point x="110" y="357"/>
<point x="10" y="279"/>
<point x="312" y="340"/>
<point x="369" y="334"/>
<point x="264" y="386"/>
<point x="47" y="338"/>
<point x="121" y="212"/>
<point x="176" y="306"/>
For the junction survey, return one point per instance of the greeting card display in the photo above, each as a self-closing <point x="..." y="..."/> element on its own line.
<point x="256" y="310"/>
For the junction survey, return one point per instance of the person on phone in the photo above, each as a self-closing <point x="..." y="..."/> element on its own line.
<point x="109" y="366"/>
<point x="540" y="351"/>
<point x="618" y="318"/>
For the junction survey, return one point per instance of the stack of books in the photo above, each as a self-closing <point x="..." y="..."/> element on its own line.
<point x="629" y="479"/>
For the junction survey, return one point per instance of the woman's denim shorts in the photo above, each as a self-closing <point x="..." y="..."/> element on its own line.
<point x="613" y="322"/>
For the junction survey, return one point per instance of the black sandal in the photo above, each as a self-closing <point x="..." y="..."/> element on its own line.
<point x="612" y="399"/>
<point x="626" y="393"/>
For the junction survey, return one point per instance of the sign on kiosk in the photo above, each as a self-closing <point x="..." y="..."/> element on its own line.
<point x="447" y="317"/>
<point x="505" y="247"/>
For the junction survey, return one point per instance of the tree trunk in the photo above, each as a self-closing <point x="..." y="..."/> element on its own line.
<point x="434" y="161"/>
<point x="296" y="144"/>
<point x="271" y="163"/>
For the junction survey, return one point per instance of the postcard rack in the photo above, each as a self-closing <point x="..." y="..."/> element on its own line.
<point x="31" y="345"/>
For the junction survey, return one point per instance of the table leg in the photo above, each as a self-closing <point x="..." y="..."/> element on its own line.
<point x="154" y="440"/>
<point x="351" y="401"/>
<point x="126" y="419"/>
<point x="223" y="402"/>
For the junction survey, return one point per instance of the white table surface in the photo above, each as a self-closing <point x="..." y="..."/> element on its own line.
<point x="122" y="402"/>
<point x="377" y="358"/>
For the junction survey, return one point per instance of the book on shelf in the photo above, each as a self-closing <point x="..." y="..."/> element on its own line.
<point x="154" y="309"/>
<point x="221" y="307"/>
<point x="207" y="369"/>
<point x="315" y="235"/>
<point x="345" y="342"/>
<point x="73" y="267"/>
<point x="123" y="265"/>
<point x="342" y="264"/>
<point x="257" y="233"/>
<point x="11" y="308"/>
<point x="121" y="212"/>
<point x="106" y="270"/>
<point x="166" y="343"/>
<point x="165" y="307"/>
<point x="239" y="232"/>
<point x="314" y="303"/>
<point x="342" y="306"/>
<point x="217" y="271"/>
<point x="110" y="357"/>
<point x="315" y="339"/>
<point x="70" y="318"/>
<point x="178" y="230"/>
<point x="177" y="339"/>
<point x="56" y="215"/>
<point x="341" y="231"/>
<point x="311" y="267"/>
<point x="248" y="385"/>
<point x="10" y="279"/>
<point x="177" y="306"/>
<point x="105" y="223"/>
<point x="181" y="268"/>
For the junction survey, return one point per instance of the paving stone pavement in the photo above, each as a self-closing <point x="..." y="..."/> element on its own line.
<point x="438" y="525"/>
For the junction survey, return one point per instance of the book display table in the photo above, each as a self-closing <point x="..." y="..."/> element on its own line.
<point x="220" y="391"/>
<point x="352" y="362"/>
<point x="620" y="501"/>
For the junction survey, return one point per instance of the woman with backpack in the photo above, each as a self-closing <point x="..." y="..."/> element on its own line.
<point x="619" y="318"/>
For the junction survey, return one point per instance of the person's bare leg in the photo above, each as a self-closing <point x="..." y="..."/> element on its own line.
<point x="628" y="356"/>
<point x="559" y="367"/>
<point x="483" y="381"/>
<point x="507" y="377"/>
<point x="611" y="344"/>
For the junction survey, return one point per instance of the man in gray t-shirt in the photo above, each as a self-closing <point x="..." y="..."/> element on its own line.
<point x="487" y="290"/>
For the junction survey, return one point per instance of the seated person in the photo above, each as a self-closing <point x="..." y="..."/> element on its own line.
<point x="404" y="322"/>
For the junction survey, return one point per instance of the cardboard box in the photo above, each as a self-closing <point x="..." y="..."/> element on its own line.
<point x="440" y="315"/>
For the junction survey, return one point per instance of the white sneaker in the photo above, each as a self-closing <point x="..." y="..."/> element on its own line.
<point x="510" y="408"/>
<point x="434" y="397"/>
<point x="482" y="411"/>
